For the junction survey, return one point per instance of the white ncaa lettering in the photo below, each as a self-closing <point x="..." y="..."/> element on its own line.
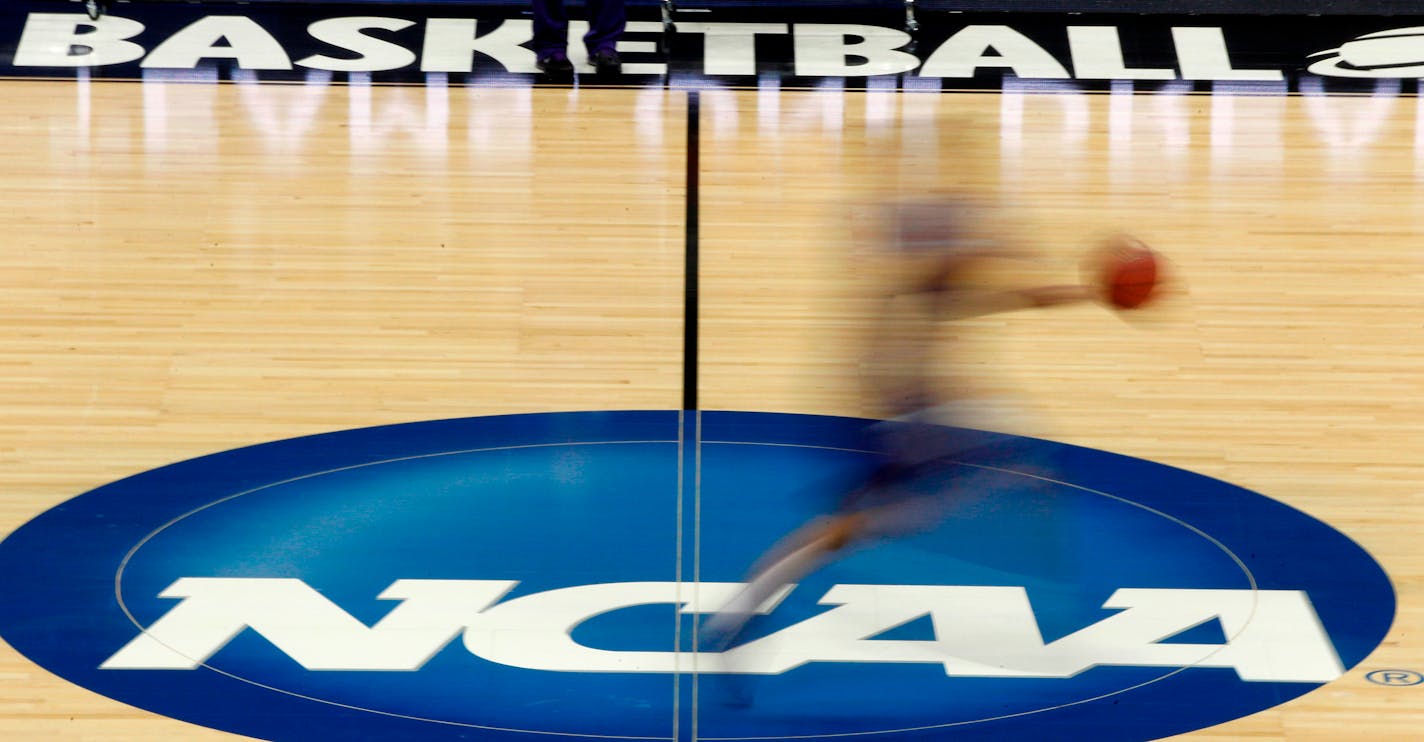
<point x="1272" y="635"/>
<point x="305" y="625"/>
<point x="980" y="631"/>
<point x="534" y="631"/>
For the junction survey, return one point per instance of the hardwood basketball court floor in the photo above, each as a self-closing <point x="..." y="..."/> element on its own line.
<point x="190" y="268"/>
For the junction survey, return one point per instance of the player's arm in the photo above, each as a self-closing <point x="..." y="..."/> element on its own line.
<point x="962" y="304"/>
<point x="1052" y="296"/>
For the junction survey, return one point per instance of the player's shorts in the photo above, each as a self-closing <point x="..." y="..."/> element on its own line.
<point x="936" y="459"/>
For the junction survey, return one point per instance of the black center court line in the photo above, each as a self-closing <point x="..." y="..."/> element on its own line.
<point x="690" y="261"/>
<point x="686" y="715"/>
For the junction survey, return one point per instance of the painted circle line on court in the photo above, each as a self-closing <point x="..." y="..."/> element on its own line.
<point x="490" y="578"/>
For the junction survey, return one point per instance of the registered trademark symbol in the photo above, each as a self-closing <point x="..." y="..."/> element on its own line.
<point x="1395" y="677"/>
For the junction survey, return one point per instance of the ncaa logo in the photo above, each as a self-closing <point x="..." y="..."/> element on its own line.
<point x="1387" y="54"/>
<point x="537" y="576"/>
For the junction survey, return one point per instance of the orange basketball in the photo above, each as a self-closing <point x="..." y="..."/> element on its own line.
<point x="1131" y="273"/>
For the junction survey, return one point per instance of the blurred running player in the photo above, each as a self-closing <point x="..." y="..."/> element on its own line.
<point x="937" y="247"/>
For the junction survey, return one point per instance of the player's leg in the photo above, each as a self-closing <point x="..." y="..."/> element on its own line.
<point x="799" y="554"/>
<point x="792" y="558"/>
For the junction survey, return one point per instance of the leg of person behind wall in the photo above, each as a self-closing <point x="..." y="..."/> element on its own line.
<point x="551" y="36"/>
<point x="606" y="22"/>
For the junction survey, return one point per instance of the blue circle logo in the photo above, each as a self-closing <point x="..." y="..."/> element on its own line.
<point x="506" y="577"/>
